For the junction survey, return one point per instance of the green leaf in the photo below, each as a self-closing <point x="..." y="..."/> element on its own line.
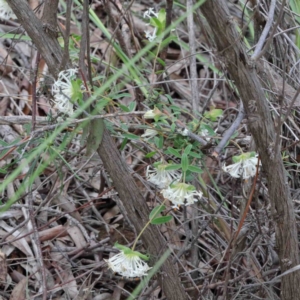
<point x="156" y="211"/>
<point x="96" y="129"/>
<point x="213" y="114"/>
<point x="236" y="159"/>
<point x="2" y="171"/>
<point x="170" y="99"/>
<point x="124" y="108"/>
<point x="118" y="96"/>
<point x="161" y="220"/>
<point x="162" y="15"/>
<point x="175" y="108"/>
<point x="188" y="149"/>
<point x="195" y="169"/>
<point x="173" y="167"/>
<point x="174" y="152"/>
<point x="131" y="136"/>
<point x="184" y="162"/>
<point x="160" y="142"/>
<point x="194" y="154"/>
<point x="77" y="91"/>
<point x="125" y="141"/>
<point x="173" y="127"/>
<point x="132" y="106"/>
<point x="150" y="154"/>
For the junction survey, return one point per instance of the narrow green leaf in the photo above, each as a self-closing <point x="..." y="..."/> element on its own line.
<point x="161" y="220"/>
<point x="2" y="171"/>
<point x="156" y="211"/>
<point x="160" y="142"/>
<point x="131" y="136"/>
<point x="132" y="106"/>
<point x="124" y="108"/>
<point x="174" y="152"/>
<point x="195" y="169"/>
<point x="173" y="167"/>
<point x="184" y="162"/>
<point x="150" y="154"/>
<point x="194" y="154"/>
<point x="125" y="141"/>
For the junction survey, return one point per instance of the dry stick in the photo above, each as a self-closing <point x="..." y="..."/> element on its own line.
<point x="113" y="162"/>
<point x="83" y="41"/>
<point x="258" y="54"/>
<point x="193" y="62"/>
<point x="22" y="120"/>
<point x="227" y="135"/>
<point x="66" y="36"/>
<point x="37" y="243"/>
<point x="34" y="81"/>
<point x="88" y="47"/>
<point x="195" y="111"/>
<point x="258" y="50"/>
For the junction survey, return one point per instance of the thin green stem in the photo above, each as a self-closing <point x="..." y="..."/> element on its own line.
<point x="147" y="224"/>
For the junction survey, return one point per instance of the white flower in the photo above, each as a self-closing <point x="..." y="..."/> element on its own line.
<point x="150" y="114"/>
<point x="205" y="133"/>
<point x="5" y="11"/>
<point x="181" y="194"/>
<point x="185" y="132"/>
<point x="245" y="167"/>
<point x="128" y="264"/>
<point x="162" y="177"/>
<point x="151" y="36"/>
<point x="150" y="12"/>
<point x="149" y="134"/>
<point x="62" y="91"/>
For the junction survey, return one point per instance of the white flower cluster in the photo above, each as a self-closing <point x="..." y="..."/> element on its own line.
<point x="181" y="193"/>
<point x="128" y="265"/>
<point x="244" y="168"/>
<point x="160" y="176"/>
<point x="149" y="134"/>
<point x="177" y="192"/>
<point x="62" y="91"/>
<point x="6" y="12"/>
<point x="150" y="13"/>
<point x="150" y="35"/>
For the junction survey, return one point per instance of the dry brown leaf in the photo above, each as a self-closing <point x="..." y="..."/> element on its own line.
<point x="21" y="244"/>
<point x="19" y="291"/>
<point x="6" y="62"/>
<point x="77" y="236"/>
